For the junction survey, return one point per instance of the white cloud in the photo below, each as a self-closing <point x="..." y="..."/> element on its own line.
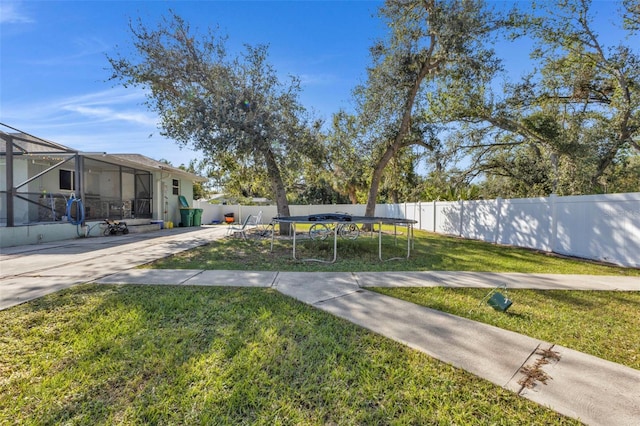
<point x="85" y="47"/>
<point x="113" y="106"/>
<point x="109" y="114"/>
<point x="317" y="79"/>
<point x="110" y="120"/>
<point x="11" y="13"/>
<point x="116" y="96"/>
<point x="116" y="105"/>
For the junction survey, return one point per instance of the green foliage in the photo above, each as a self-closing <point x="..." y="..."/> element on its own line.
<point x="593" y="93"/>
<point x="566" y="127"/>
<point x="631" y="15"/>
<point x="239" y="177"/>
<point x="438" y="187"/>
<point x="318" y="191"/>
<point x="426" y="39"/>
<point x="219" y="104"/>
<point x="624" y="177"/>
<point x="348" y="159"/>
<point x="431" y="104"/>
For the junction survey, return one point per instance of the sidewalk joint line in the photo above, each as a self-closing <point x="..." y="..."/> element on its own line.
<point x="275" y="279"/>
<point x="355" y="278"/>
<point x="358" y="290"/>
<point x="522" y="365"/>
<point x="200" y="272"/>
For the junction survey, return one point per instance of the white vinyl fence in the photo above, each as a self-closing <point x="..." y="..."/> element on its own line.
<point x="598" y="227"/>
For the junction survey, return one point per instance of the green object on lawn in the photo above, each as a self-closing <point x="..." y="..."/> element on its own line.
<point x="495" y="299"/>
<point x="499" y="302"/>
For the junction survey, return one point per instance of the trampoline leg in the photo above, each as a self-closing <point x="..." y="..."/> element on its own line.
<point x="380" y="241"/>
<point x="294" y="240"/>
<point x="335" y="243"/>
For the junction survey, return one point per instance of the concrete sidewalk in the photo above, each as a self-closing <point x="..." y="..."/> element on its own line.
<point x="581" y="386"/>
<point x="492" y="280"/>
<point x="578" y="385"/>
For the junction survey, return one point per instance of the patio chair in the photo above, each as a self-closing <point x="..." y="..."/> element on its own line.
<point x="257" y="221"/>
<point x="240" y="229"/>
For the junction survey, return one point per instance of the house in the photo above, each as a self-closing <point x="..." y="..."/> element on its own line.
<point x="51" y="192"/>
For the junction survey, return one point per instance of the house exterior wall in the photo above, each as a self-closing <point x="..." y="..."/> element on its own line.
<point x="37" y="234"/>
<point x="168" y="188"/>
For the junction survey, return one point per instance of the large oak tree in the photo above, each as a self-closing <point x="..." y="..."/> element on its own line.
<point x="426" y="38"/>
<point x="226" y="106"/>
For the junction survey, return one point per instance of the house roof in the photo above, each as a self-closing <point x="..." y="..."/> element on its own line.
<point x="28" y="144"/>
<point x="147" y="163"/>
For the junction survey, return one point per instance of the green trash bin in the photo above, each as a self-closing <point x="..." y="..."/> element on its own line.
<point x="186" y="217"/>
<point x="183" y="202"/>
<point x="197" y="217"/>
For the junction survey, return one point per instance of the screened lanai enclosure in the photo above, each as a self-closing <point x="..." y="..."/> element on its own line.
<point x="44" y="182"/>
<point x="46" y="178"/>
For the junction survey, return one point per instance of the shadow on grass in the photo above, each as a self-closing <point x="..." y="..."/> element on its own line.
<point x="429" y="252"/>
<point x="574" y="299"/>
<point x="145" y="354"/>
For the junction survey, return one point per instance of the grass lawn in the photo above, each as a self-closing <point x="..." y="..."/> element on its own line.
<point x="98" y="354"/>
<point x="600" y="323"/>
<point x="430" y="252"/>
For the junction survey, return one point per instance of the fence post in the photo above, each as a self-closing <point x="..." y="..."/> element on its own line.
<point x="553" y="198"/>
<point x="435" y="220"/>
<point x="496" y="236"/>
<point x="461" y="218"/>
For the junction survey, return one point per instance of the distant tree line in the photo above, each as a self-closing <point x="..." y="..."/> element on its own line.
<point x="438" y="117"/>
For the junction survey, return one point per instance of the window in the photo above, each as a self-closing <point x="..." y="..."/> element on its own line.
<point x="67" y="180"/>
<point x="176" y="187"/>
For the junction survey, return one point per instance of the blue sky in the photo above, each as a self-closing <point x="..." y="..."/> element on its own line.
<point x="54" y="69"/>
<point x="53" y="66"/>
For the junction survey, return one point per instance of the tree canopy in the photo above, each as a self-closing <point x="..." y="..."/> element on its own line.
<point x="569" y="127"/>
<point x="437" y="116"/>
<point x="427" y="39"/>
<point x="234" y="109"/>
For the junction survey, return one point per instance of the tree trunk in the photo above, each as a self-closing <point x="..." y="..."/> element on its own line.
<point x="370" y="210"/>
<point x="353" y="197"/>
<point x="277" y="187"/>
<point x="426" y="66"/>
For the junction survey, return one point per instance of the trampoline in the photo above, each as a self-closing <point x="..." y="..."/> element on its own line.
<point x="342" y="224"/>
